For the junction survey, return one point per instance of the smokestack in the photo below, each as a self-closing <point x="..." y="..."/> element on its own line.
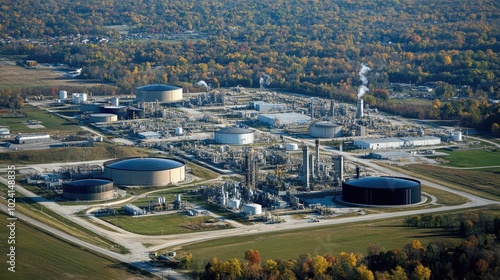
<point x="339" y="167"/>
<point x="317" y="157"/>
<point x="359" y="111"/>
<point x="332" y="108"/>
<point x="312" y="109"/>
<point x="305" y="166"/>
<point x="311" y="165"/>
<point x="357" y="172"/>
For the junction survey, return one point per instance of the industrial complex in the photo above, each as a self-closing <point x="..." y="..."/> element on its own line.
<point x="271" y="155"/>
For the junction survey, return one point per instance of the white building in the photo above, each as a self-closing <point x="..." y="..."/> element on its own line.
<point x="394" y="143"/>
<point x="284" y="119"/>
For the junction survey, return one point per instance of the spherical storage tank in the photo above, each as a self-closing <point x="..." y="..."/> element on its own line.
<point x="326" y="130"/>
<point x="160" y="93"/>
<point x="144" y="171"/>
<point x="88" y="189"/>
<point x="234" y="135"/>
<point x="382" y="191"/>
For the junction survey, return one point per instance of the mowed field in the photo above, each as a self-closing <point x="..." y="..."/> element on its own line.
<point x="13" y="76"/>
<point x="42" y="256"/>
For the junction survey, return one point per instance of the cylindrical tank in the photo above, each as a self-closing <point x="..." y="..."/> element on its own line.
<point x="115" y="101"/>
<point x="234" y="135"/>
<point x="234" y="203"/>
<point x="291" y="147"/>
<point x="382" y="191"/>
<point x="326" y="130"/>
<point x="103" y="117"/>
<point x="252" y="209"/>
<point x="63" y="94"/>
<point x="90" y="107"/>
<point x="178" y="131"/>
<point x="457" y="136"/>
<point x="89" y="189"/>
<point x="158" y="93"/>
<point x="120" y="111"/>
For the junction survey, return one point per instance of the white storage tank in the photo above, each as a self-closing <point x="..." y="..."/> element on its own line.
<point x="234" y="135"/>
<point x="234" y="203"/>
<point x="457" y="136"/>
<point x="79" y="97"/>
<point x="103" y="117"/>
<point x="115" y="101"/>
<point x="63" y="94"/>
<point x="178" y="131"/>
<point x="252" y="209"/>
<point x="291" y="147"/>
<point x="326" y="130"/>
<point x="158" y="93"/>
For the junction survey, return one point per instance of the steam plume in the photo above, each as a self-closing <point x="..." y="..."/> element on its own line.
<point x="264" y="80"/>
<point x="202" y="83"/>
<point x="362" y="72"/>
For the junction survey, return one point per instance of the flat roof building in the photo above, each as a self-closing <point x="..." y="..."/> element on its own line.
<point x="284" y="119"/>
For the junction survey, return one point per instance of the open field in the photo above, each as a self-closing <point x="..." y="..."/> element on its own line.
<point x="352" y="238"/>
<point x="52" y="123"/>
<point x="444" y="197"/>
<point x="100" y="151"/>
<point x="485" y="184"/>
<point x="28" y="207"/>
<point x="13" y="76"/>
<point x="158" y="224"/>
<point x="41" y="254"/>
<point x="470" y="158"/>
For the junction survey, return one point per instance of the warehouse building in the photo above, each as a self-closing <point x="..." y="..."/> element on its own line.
<point x="32" y="138"/>
<point x="262" y="106"/>
<point x="284" y="119"/>
<point x="394" y="143"/>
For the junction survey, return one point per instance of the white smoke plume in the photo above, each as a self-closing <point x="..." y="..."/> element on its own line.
<point x="264" y="80"/>
<point x="202" y="83"/>
<point x="362" y="72"/>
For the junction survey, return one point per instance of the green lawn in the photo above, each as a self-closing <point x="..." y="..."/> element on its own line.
<point x="42" y="256"/>
<point x="471" y="158"/>
<point x="351" y="238"/>
<point x="157" y="224"/>
<point x="52" y="123"/>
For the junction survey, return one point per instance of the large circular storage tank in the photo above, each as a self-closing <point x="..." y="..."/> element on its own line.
<point x="104" y="117"/>
<point x="382" y="191"/>
<point x="234" y="135"/>
<point x="326" y="130"/>
<point x="252" y="209"/>
<point x="144" y="171"/>
<point x="120" y="111"/>
<point x="158" y="93"/>
<point x="88" y="189"/>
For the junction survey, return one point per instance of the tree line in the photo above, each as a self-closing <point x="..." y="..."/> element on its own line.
<point x="311" y="47"/>
<point x="477" y="256"/>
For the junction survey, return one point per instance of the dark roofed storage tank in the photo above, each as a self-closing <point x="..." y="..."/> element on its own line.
<point x="382" y="191"/>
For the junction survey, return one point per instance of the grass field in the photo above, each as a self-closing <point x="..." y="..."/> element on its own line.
<point x="471" y="158"/>
<point x="158" y="224"/>
<point x="52" y="123"/>
<point x="12" y="76"/>
<point x="40" y="254"/>
<point x="352" y="238"/>
<point x="100" y="151"/>
<point x="28" y="207"/>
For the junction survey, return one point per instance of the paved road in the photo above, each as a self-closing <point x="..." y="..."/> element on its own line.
<point x="139" y="253"/>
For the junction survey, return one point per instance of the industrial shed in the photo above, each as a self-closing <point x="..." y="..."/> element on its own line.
<point x="32" y="138"/>
<point x="393" y="143"/>
<point x="158" y="93"/>
<point x="144" y="171"/>
<point x="382" y="191"/>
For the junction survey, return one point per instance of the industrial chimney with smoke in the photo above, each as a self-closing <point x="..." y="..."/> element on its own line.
<point x="362" y="90"/>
